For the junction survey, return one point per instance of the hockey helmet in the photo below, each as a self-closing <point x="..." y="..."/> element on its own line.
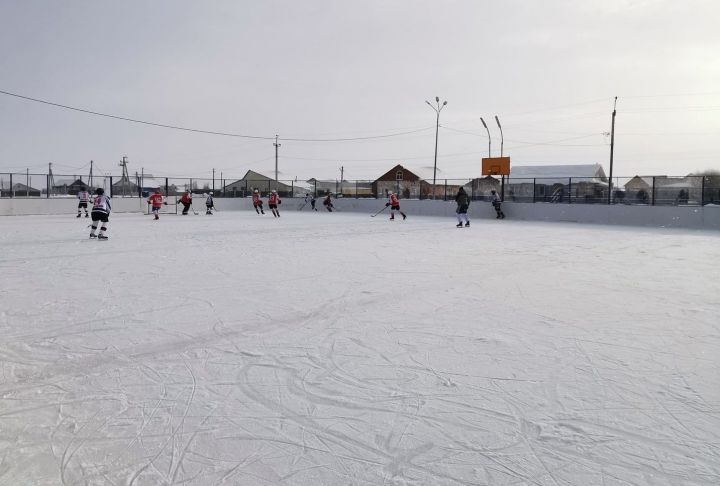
<point x="255" y="191"/>
<point x="211" y="193"/>
<point x="274" y="191"/>
<point x="99" y="191"/>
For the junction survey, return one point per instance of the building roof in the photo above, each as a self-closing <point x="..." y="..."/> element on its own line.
<point x="557" y="171"/>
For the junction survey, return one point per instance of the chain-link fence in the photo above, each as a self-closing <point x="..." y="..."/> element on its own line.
<point x="650" y="190"/>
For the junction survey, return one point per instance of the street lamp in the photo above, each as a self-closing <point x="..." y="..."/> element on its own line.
<point x="501" y="135"/>
<point x="489" y="139"/>
<point x="437" y="109"/>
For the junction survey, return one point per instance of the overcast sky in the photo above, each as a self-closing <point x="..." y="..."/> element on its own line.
<point x="350" y="69"/>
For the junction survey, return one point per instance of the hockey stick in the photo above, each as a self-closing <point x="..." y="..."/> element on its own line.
<point x="383" y="209"/>
<point x="301" y="207"/>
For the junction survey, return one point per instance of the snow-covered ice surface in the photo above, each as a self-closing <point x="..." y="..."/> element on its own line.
<point x="329" y="349"/>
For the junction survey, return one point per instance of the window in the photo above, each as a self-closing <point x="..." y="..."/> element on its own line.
<point x="399" y="175"/>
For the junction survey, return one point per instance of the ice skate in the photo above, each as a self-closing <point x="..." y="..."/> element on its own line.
<point x="78" y="215"/>
<point x="404" y="216"/>
<point x="87" y="215"/>
<point x="467" y="224"/>
<point x="102" y="237"/>
<point x="93" y="235"/>
<point x="459" y="225"/>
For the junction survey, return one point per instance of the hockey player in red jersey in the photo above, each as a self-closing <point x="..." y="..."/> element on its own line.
<point x="257" y="202"/>
<point x="186" y="201"/>
<point x="100" y="213"/>
<point x="273" y="201"/>
<point x="394" y="204"/>
<point x="156" y="200"/>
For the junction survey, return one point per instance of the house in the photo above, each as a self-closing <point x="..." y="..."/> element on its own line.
<point x="20" y="190"/>
<point x="324" y="186"/>
<point x="124" y="187"/>
<point x="416" y="183"/>
<point x="480" y="187"/>
<point x="663" y="190"/>
<point x="556" y="183"/>
<point x="254" y="180"/>
<point x="70" y="186"/>
<point x="638" y="190"/>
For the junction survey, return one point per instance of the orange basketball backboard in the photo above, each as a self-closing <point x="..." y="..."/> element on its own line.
<point x="496" y="166"/>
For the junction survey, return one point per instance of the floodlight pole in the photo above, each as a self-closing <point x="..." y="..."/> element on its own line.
<point x="612" y="149"/>
<point x="437" y="109"/>
<point x="276" y="158"/>
<point x="502" y="141"/>
<point x="489" y="140"/>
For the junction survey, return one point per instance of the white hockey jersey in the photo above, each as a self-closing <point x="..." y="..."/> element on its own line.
<point x="102" y="204"/>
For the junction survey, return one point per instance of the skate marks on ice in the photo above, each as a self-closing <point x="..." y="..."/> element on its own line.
<point x="385" y="357"/>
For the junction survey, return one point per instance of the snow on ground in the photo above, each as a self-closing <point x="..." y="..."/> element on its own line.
<point x="328" y="349"/>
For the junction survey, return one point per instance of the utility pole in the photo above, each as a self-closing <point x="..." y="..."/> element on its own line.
<point x="125" y="179"/>
<point x="90" y="178"/>
<point x="612" y="149"/>
<point x="51" y="177"/>
<point x="276" y="157"/>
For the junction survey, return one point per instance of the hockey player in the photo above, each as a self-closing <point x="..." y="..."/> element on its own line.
<point x="186" y="201"/>
<point x="496" y="202"/>
<point x="306" y="201"/>
<point x="100" y="213"/>
<point x="84" y="198"/>
<point x="327" y="202"/>
<point x="463" y="203"/>
<point x="312" y="202"/>
<point x="257" y="202"/>
<point x="273" y="201"/>
<point x="209" y="204"/>
<point x="394" y="204"/>
<point x="156" y="200"/>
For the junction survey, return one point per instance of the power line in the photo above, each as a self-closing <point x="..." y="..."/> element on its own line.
<point x="208" y="132"/>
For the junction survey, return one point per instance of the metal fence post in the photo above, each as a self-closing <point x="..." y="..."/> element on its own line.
<point x="356" y="189"/>
<point x="502" y="188"/>
<point x="110" y="189"/>
<point x="652" y="193"/>
<point x="315" y="187"/>
<point x="569" y="190"/>
<point x="445" y="198"/>
<point x="48" y="187"/>
<point x="11" y="186"/>
<point x="702" y="190"/>
<point x="534" y="189"/>
<point x="167" y="187"/>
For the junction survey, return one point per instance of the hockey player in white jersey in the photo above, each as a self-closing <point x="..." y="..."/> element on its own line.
<point x="84" y="198"/>
<point x="100" y="213"/>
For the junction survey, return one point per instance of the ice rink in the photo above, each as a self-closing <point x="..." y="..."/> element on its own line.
<point x="339" y="349"/>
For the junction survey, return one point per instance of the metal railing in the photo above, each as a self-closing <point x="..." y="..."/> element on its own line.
<point x="650" y="190"/>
